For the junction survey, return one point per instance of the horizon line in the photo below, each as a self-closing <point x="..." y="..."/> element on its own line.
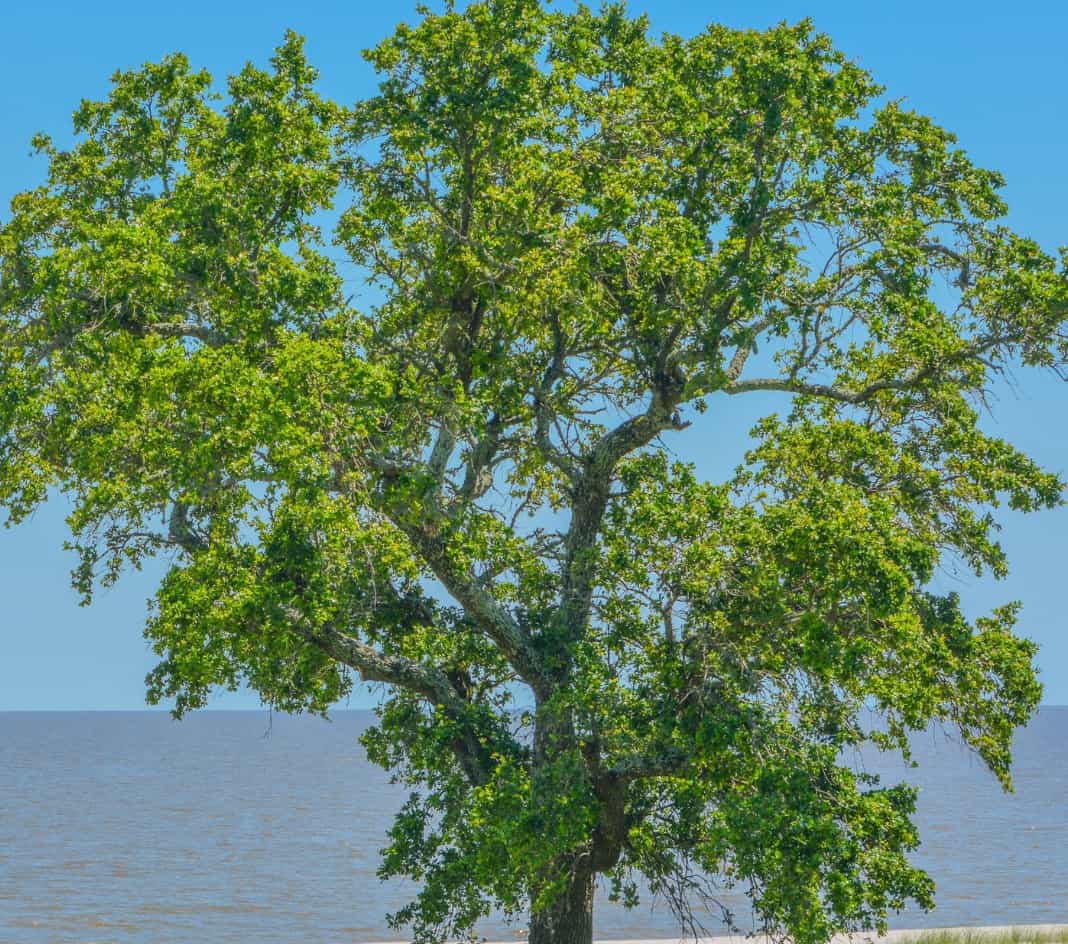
<point x="201" y="711"/>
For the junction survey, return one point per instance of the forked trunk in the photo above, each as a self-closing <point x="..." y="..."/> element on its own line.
<point x="569" y="919"/>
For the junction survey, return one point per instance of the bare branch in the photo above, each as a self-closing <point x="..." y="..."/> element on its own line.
<point x="181" y="532"/>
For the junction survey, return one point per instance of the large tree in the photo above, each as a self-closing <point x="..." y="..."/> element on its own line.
<point x="456" y="482"/>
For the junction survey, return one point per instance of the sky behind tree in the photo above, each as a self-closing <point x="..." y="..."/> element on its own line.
<point x="991" y="75"/>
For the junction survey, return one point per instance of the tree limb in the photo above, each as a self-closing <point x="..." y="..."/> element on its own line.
<point x="591" y="492"/>
<point x="909" y="381"/>
<point x="478" y="476"/>
<point x="184" y="329"/>
<point x="670" y="763"/>
<point x="479" y="604"/>
<point x="543" y="416"/>
<point x="375" y="666"/>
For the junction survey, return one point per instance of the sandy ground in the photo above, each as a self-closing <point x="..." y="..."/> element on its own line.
<point x="891" y="937"/>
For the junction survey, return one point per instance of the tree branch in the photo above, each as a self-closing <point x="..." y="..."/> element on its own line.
<point x="670" y="763"/>
<point x="965" y="278"/>
<point x="591" y="491"/>
<point x="858" y="395"/>
<point x="422" y="520"/>
<point x="492" y="618"/>
<point x="184" y="329"/>
<point x="543" y="416"/>
<point x="181" y="532"/>
<point x="426" y="681"/>
<point x="375" y="666"/>
<point x="478" y="476"/>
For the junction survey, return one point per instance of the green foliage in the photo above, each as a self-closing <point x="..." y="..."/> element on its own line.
<point x="455" y="484"/>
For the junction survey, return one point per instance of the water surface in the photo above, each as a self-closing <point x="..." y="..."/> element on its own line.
<point x="233" y="827"/>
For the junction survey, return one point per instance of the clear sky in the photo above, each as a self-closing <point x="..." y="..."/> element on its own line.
<point x="991" y="72"/>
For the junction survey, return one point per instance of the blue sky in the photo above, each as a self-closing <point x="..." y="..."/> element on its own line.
<point x="990" y="72"/>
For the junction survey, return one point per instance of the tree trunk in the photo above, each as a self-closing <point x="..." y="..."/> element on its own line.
<point x="568" y="919"/>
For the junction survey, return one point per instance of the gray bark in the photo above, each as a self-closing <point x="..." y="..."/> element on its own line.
<point x="569" y="919"/>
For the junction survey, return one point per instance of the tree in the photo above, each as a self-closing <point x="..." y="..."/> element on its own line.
<point x="578" y="239"/>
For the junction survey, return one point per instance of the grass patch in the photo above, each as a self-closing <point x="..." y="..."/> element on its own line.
<point x="1007" y="936"/>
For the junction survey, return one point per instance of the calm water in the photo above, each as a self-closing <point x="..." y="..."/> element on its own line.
<point x="130" y="827"/>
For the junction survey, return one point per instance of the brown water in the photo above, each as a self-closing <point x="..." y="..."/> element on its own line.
<point x="129" y="827"/>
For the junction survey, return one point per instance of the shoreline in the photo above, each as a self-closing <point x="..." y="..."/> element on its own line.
<point x="893" y="936"/>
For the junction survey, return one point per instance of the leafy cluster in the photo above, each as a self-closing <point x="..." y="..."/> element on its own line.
<point x="449" y="476"/>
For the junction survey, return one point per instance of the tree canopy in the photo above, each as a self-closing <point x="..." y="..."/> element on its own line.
<point x="392" y="387"/>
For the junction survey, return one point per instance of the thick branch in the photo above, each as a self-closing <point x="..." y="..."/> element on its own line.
<point x="543" y="414"/>
<point x="492" y="618"/>
<point x="426" y="681"/>
<point x="826" y="391"/>
<point x="591" y="489"/>
<point x="670" y="763"/>
<point x="442" y="450"/>
<point x="479" y="474"/>
<point x="423" y="521"/>
<point x="181" y="532"/>
<point x="374" y="666"/>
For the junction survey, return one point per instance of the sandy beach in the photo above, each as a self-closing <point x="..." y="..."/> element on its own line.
<point x="1019" y="932"/>
<point x="1024" y="932"/>
<point x="895" y="937"/>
